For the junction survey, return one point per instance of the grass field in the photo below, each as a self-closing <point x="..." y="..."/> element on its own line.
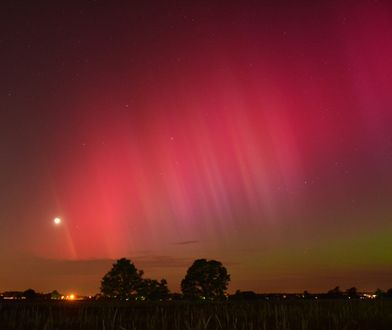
<point x="296" y="314"/>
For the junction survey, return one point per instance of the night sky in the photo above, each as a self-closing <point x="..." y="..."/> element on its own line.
<point x="257" y="133"/>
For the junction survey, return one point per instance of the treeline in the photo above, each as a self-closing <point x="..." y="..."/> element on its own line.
<point x="31" y="294"/>
<point x="335" y="293"/>
<point x="204" y="280"/>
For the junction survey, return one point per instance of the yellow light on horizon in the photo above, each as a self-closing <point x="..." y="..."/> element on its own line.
<point x="57" y="220"/>
<point x="70" y="297"/>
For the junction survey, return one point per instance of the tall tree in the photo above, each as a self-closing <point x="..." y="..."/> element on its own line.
<point x="205" y="280"/>
<point x="122" y="281"/>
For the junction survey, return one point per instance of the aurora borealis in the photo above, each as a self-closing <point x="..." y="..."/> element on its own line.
<point x="255" y="133"/>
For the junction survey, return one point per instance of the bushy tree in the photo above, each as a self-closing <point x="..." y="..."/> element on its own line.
<point x="122" y="281"/>
<point x="30" y="294"/>
<point x="205" y="280"/>
<point x="383" y="294"/>
<point x="352" y="293"/>
<point x="379" y="293"/>
<point x="55" y="295"/>
<point x="153" y="290"/>
<point x="388" y="294"/>
<point x="244" y="295"/>
<point x="335" y="293"/>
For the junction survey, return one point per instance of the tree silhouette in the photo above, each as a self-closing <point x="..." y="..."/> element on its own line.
<point x="30" y="294"/>
<point x="205" y="280"/>
<point x="335" y="293"/>
<point x="122" y="281"/>
<point x="153" y="290"/>
<point x="244" y="295"/>
<point x="55" y="295"/>
<point x="388" y="294"/>
<point x="379" y="293"/>
<point x="352" y="293"/>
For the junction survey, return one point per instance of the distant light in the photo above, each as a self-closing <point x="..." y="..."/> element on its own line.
<point x="369" y="296"/>
<point x="70" y="297"/>
<point x="57" y="221"/>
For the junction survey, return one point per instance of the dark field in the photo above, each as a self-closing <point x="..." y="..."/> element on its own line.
<point x="297" y="314"/>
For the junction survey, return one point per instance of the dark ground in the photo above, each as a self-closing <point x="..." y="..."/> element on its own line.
<point x="296" y="314"/>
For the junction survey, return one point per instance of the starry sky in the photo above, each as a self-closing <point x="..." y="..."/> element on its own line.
<point x="257" y="133"/>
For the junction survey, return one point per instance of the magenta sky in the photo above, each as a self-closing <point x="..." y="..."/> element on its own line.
<point x="257" y="134"/>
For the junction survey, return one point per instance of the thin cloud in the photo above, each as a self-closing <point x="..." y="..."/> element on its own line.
<point x="186" y="242"/>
